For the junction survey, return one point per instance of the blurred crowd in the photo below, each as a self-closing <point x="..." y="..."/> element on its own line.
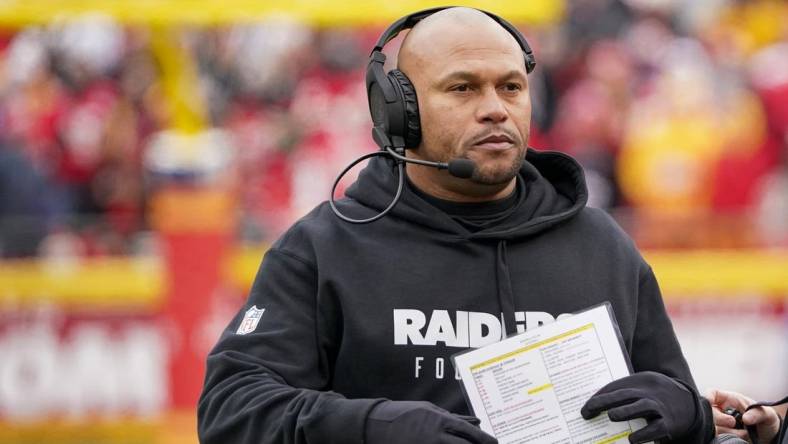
<point x="678" y="111"/>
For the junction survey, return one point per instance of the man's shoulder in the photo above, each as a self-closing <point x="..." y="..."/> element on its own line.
<point x="601" y="229"/>
<point x="315" y="224"/>
<point x="322" y="229"/>
<point x="599" y="221"/>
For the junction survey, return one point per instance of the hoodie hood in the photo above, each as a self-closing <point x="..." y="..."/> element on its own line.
<point x="554" y="184"/>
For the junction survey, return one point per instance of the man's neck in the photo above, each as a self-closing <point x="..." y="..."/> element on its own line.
<point x="442" y="185"/>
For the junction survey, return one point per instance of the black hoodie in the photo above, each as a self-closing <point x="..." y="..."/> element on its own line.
<point x="357" y="313"/>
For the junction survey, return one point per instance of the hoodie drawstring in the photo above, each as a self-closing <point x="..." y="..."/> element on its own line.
<point x="505" y="294"/>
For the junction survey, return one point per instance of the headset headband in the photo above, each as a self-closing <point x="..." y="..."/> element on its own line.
<point x="409" y="21"/>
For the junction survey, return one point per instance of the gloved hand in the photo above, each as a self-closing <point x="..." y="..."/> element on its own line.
<point x="411" y="422"/>
<point x="673" y="410"/>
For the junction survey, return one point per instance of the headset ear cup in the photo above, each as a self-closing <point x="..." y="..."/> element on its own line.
<point x="412" y="134"/>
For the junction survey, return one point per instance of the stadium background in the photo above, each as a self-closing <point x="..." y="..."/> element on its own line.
<point x="149" y="152"/>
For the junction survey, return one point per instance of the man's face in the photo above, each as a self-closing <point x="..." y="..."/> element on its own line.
<point x="474" y="104"/>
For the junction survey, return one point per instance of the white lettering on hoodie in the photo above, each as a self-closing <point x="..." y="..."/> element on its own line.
<point x="465" y="329"/>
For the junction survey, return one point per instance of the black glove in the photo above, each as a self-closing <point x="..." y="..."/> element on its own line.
<point x="411" y="422"/>
<point x="672" y="409"/>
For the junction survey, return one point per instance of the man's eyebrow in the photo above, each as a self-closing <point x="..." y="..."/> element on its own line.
<point x="458" y="75"/>
<point x="514" y="74"/>
<point x="468" y="76"/>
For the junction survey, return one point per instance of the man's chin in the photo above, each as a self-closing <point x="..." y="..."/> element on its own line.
<point x="493" y="178"/>
<point x="495" y="174"/>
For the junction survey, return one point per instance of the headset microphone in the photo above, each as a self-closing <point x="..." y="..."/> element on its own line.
<point x="462" y="168"/>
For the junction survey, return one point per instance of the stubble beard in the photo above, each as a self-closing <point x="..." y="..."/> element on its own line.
<point x="497" y="177"/>
<point x="494" y="175"/>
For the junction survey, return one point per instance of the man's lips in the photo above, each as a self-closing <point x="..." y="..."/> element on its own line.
<point x="495" y="142"/>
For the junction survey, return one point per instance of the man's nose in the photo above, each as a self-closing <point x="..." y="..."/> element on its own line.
<point x="491" y="108"/>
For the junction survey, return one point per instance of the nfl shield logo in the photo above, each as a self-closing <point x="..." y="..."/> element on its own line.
<point x="250" y="320"/>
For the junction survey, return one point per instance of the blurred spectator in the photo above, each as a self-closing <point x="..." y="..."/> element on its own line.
<point x="26" y="209"/>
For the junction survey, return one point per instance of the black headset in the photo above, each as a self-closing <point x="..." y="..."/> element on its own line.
<point x="392" y="97"/>
<point x="395" y="110"/>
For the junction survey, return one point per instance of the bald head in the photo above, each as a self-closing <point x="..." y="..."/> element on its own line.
<point x="450" y="31"/>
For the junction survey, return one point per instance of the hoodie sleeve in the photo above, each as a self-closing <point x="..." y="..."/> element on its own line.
<point x="270" y="384"/>
<point x="656" y="348"/>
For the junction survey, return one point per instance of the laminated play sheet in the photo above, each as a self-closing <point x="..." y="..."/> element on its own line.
<point x="529" y="388"/>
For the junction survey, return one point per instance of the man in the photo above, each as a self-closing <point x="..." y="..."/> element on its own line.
<point x="360" y="321"/>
